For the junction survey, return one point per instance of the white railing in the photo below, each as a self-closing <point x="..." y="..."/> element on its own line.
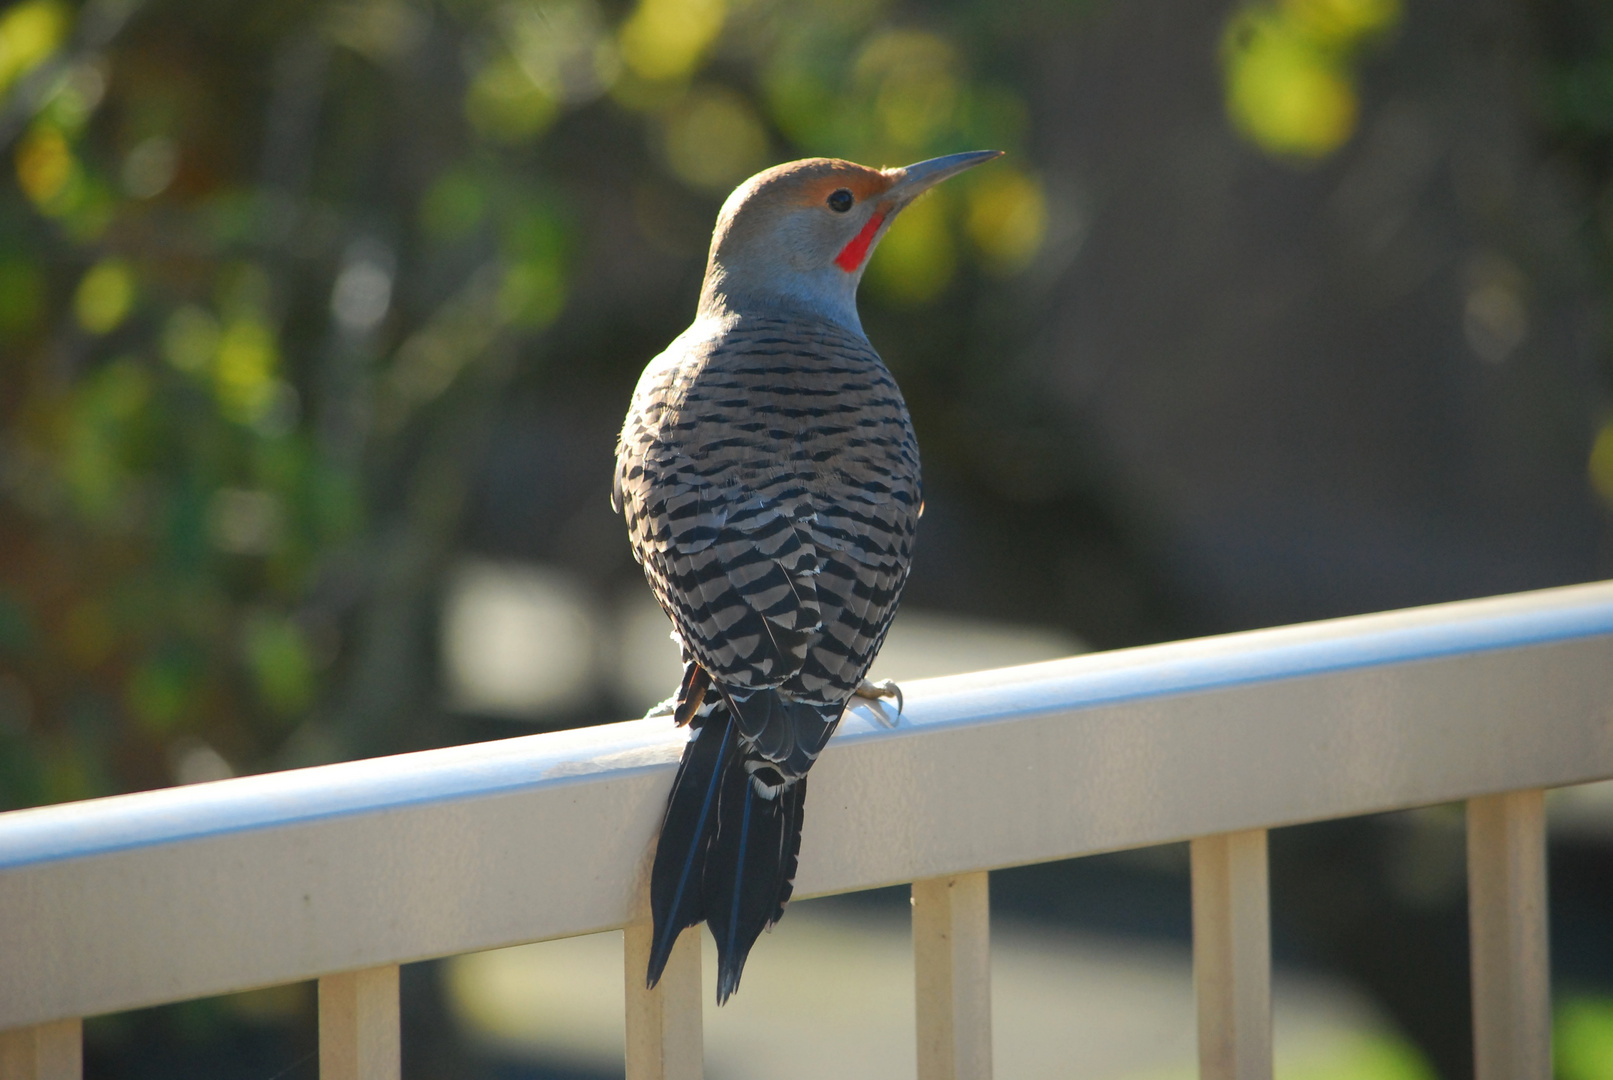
<point x="342" y="872"/>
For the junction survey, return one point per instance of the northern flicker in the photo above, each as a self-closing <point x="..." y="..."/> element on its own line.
<point x="769" y="475"/>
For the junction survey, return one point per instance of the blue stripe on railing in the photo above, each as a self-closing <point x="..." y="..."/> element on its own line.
<point x="1416" y="634"/>
<point x="147" y="818"/>
<point x="105" y="826"/>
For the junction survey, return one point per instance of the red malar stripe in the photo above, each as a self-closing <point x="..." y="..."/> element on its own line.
<point x="853" y="254"/>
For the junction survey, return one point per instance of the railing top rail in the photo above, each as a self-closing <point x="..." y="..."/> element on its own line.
<point x="157" y="896"/>
<point x="100" y="826"/>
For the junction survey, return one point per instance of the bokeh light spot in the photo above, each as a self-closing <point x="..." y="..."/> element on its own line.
<point x="29" y="32"/>
<point x="281" y="663"/>
<point x="104" y="296"/>
<point x="1601" y="462"/>
<point x="190" y="339"/>
<point x="1290" y="86"/>
<point x="714" y="139"/>
<point x="1007" y="219"/>
<point x="504" y="104"/>
<point x="1342" y="22"/>
<point x="362" y="293"/>
<point x="667" y="39"/>
<point x="194" y="762"/>
<point x="150" y="167"/>
<point x="77" y="95"/>
<point x="1582" y="1035"/>
<point x="245" y="522"/>
<point x="563" y="47"/>
<point x="243" y="378"/>
<point x="1286" y="95"/>
<point x="913" y="76"/>
<point x="915" y="260"/>
<point x="45" y="167"/>
<point x="532" y="294"/>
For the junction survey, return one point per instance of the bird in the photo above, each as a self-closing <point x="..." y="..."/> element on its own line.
<point x="769" y="476"/>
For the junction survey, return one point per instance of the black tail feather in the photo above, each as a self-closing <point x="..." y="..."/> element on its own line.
<point x="750" y="869"/>
<point x="792" y="800"/>
<point x="676" y="899"/>
<point x="727" y="853"/>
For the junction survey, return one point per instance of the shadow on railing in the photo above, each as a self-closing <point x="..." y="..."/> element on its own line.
<point x="342" y="872"/>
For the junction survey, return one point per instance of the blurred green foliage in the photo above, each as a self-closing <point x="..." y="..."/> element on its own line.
<point x="265" y="269"/>
<point x="1582" y="1037"/>
<point x="1290" y="72"/>
<point x="1572" y="102"/>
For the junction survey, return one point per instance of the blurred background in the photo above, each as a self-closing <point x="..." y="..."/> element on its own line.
<point x="318" y="319"/>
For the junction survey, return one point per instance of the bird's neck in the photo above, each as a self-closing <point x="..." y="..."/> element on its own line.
<point x="829" y="295"/>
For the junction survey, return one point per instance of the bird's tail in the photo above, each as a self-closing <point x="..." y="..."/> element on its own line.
<point x="728" y="846"/>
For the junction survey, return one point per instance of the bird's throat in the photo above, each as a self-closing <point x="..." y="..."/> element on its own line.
<point x="852" y="255"/>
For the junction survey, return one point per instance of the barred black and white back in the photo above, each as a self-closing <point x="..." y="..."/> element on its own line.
<point x="770" y="479"/>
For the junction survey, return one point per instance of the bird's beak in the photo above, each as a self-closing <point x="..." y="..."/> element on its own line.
<point x="918" y="178"/>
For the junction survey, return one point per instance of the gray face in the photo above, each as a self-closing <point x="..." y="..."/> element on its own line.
<point x="779" y="236"/>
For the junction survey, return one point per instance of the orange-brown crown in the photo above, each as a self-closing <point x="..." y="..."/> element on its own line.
<point x="811" y="181"/>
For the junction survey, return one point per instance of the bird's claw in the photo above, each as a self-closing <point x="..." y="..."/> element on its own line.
<point x="874" y="693"/>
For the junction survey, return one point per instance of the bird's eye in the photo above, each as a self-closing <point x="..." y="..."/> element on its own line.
<point x="840" y="201"/>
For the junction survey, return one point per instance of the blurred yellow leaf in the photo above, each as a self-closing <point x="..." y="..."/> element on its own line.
<point x="915" y="260"/>
<point x="45" y="167"/>
<point x="29" y="33"/>
<point x="243" y="377"/>
<point x="104" y="296"/>
<point x="714" y="139"/>
<point x="667" y="39"/>
<point x="1007" y="219"/>
<point x="1341" y="23"/>
<point x="1284" y="93"/>
<point x="1601" y="462"/>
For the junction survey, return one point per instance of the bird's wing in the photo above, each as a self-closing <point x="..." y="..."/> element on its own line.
<point x="724" y="554"/>
<point x="865" y="545"/>
<point x="732" y="568"/>
<point x="774" y="517"/>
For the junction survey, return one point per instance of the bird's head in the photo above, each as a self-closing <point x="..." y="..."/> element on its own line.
<point x="798" y="236"/>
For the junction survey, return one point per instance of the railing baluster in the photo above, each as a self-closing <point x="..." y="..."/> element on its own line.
<point x="1506" y="888"/>
<point x="952" y="976"/>
<point x="52" y="1051"/>
<point x="665" y="1038"/>
<point x="358" y="1025"/>
<point x="1232" y="955"/>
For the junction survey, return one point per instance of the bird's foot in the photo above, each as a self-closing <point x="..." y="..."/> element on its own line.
<point x="663" y="708"/>
<point x="874" y="693"/>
